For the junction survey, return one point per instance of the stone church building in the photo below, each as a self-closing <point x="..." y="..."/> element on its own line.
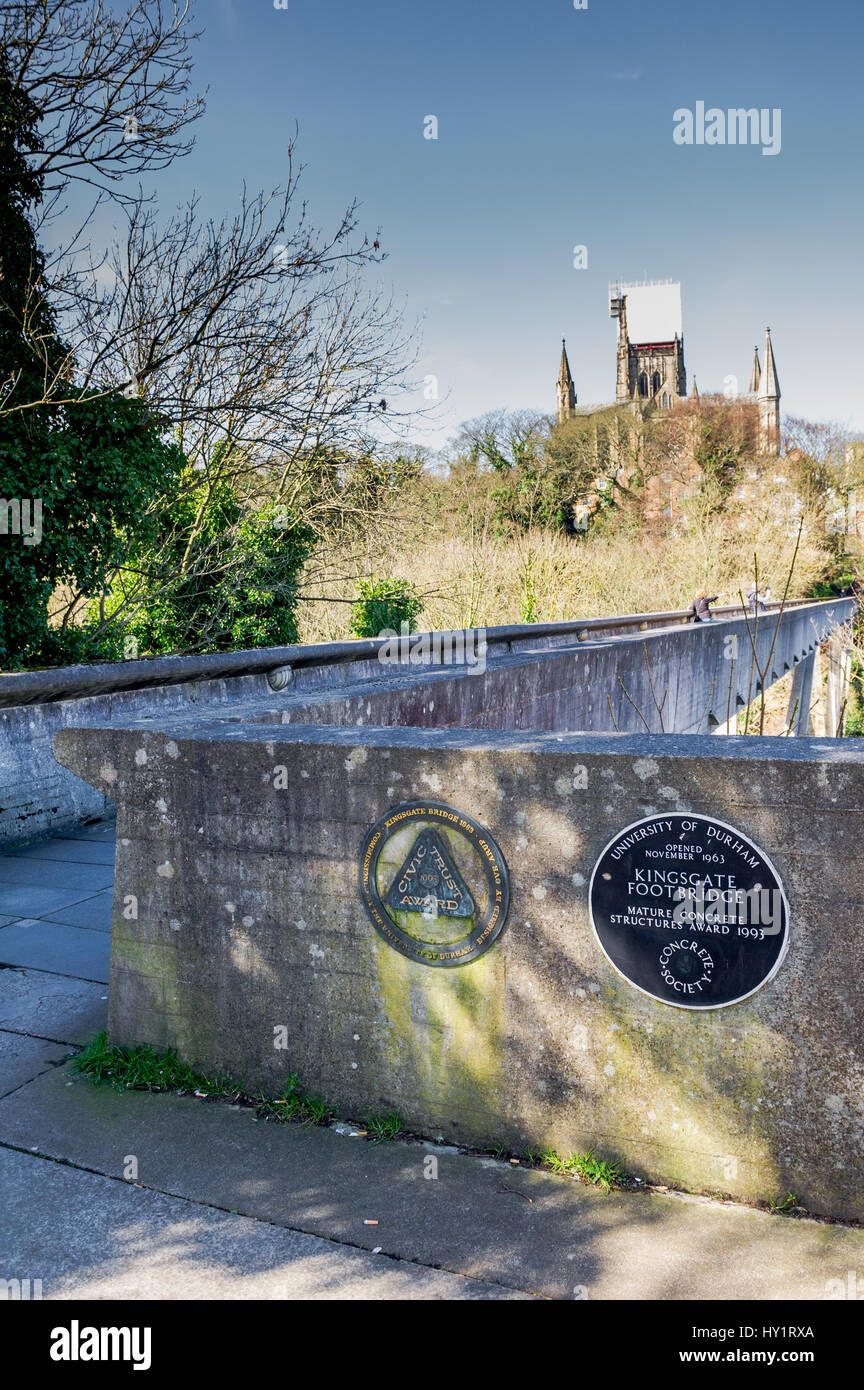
<point x="650" y="364"/>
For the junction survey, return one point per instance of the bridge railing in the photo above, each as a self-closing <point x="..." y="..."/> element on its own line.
<point x="68" y="682"/>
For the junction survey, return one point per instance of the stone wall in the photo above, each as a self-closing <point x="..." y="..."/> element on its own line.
<point x="37" y="795"/>
<point x="237" y="915"/>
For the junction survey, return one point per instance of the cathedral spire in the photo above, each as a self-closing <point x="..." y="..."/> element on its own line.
<point x="756" y="374"/>
<point x="769" y="386"/>
<point x="565" y="390"/>
<point x="769" y="401"/>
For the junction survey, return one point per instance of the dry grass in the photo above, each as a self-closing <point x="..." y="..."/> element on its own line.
<point x="486" y="582"/>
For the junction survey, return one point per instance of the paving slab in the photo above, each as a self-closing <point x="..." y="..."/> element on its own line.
<point x="52" y="1006"/>
<point x="88" y="851"/>
<point x="129" y="1243"/>
<point x="61" y="950"/>
<point x="94" y="914"/>
<point x="477" y="1217"/>
<point x="51" y="873"/>
<point x="23" y="1058"/>
<point x="19" y="900"/>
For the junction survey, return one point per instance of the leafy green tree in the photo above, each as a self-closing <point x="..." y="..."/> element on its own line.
<point x="593" y="456"/>
<point x="87" y="467"/>
<point x="216" y="573"/>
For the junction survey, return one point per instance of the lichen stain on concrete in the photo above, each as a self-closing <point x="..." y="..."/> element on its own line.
<point x="645" y="768"/>
<point x="108" y="773"/>
<point x="695" y="1103"/>
<point x="171" y="749"/>
<point x="355" y="760"/>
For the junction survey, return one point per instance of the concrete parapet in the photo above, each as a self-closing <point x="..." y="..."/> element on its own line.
<point x="241" y="938"/>
<point x="628" y="674"/>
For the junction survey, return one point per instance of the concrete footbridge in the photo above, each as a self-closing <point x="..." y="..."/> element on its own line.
<point x="509" y="883"/>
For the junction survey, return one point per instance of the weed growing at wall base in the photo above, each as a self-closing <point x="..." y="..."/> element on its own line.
<point x="143" y="1069"/>
<point x="587" y="1166"/>
<point x="383" y="1127"/>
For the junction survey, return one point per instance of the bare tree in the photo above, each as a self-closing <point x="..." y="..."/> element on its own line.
<point x="111" y="99"/>
<point x="261" y="343"/>
<point x="113" y="91"/>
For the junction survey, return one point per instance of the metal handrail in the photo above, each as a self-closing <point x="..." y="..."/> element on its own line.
<point x="67" y="682"/>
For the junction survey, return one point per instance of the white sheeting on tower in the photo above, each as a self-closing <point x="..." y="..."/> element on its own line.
<point x="653" y="311"/>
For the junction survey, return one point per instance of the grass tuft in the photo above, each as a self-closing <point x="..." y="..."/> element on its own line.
<point x="383" y="1127"/>
<point x="585" y="1166"/>
<point x="141" y="1068"/>
<point x="785" y="1206"/>
<point x="294" y="1103"/>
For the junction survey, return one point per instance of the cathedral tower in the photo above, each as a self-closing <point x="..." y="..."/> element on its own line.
<point x="650" y="342"/>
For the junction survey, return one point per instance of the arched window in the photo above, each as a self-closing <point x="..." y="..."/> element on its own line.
<point x="664" y="399"/>
<point x="643" y="383"/>
<point x="655" y="383"/>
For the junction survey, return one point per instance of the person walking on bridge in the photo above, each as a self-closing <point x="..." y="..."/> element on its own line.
<point x="699" y="608"/>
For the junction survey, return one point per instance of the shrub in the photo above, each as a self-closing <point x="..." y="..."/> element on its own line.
<point x="233" y="588"/>
<point x="384" y="604"/>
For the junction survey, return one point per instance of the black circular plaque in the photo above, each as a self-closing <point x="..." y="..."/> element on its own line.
<point x="434" y="883"/>
<point x="689" y="910"/>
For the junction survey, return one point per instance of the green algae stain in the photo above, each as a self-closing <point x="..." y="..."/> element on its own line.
<point x="443" y="1034"/>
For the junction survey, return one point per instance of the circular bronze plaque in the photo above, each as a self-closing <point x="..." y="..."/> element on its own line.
<point x="434" y="883"/>
<point x="689" y="910"/>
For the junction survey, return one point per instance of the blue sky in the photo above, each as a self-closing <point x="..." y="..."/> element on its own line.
<point x="555" y="130"/>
